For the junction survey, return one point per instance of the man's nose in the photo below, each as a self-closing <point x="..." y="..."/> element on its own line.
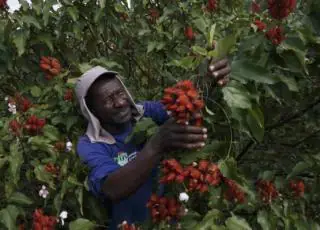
<point x="120" y="102"/>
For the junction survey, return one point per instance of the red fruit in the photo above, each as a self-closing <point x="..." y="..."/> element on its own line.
<point x="45" y="60"/>
<point x="15" y="127"/>
<point x="195" y="173"/>
<point x="163" y="200"/>
<point x="275" y="35"/>
<point x="203" y="165"/>
<point x="181" y="108"/>
<point x="193" y="94"/>
<point x="68" y="96"/>
<point x="183" y="100"/>
<point x="233" y="192"/>
<point x="204" y="188"/>
<point x="54" y="72"/>
<point x="188" y="32"/>
<point x="154" y="13"/>
<point x="267" y="190"/>
<point x="45" y="66"/>
<point x="212" y="5"/>
<point x="171" y="177"/>
<point x="261" y="26"/>
<point x="32" y="120"/>
<point x="280" y="9"/>
<point x="255" y="7"/>
<point x="199" y="104"/>
<point x="180" y="178"/>
<point x="40" y="123"/>
<point x="297" y="187"/>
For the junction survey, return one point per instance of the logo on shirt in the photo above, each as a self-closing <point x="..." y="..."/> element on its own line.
<point x="123" y="158"/>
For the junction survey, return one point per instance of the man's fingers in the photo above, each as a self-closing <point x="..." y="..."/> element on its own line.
<point x="222" y="73"/>
<point x="188" y="145"/>
<point x="218" y="65"/>
<point x="189" y="129"/>
<point x="224" y="81"/>
<point x="190" y="138"/>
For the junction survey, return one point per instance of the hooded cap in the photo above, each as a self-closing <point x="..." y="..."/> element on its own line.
<point x="94" y="130"/>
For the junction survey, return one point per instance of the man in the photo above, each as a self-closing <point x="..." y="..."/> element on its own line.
<point x="121" y="173"/>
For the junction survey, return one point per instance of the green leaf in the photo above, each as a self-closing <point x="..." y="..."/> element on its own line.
<point x="47" y="39"/>
<point x="73" y="12"/>
<point x="236" y="96"/>
<point x="81" y="224"/>
<point x="151" y="46"/>
<point x="102" y="3"/>
<point x="290" y="82"/>
<point x="211" y="35"/>
<point x="245" y="69"/>
<point x="85" y="67"/>
<point x="237" y="223"/>
<point x="20" y="198"/>
<point x="15" y="162"/>
<point x="255" y="120"/>
<point x="201" y="24"/>
<point x="223" y="46"/>
<point x="51" y="132"/>
<point x="43" y="175"/>
<point x="31" y="21"/>
<point x="24" y="4"/>
<point x="79" y="195"/>
<point x="35" y="91"/>
<point x="8" y="217"/>
<point x="19" y="39"/>
<point x="199" y="50"/>
<point x="3" y="161"/>
<point x="300" y="167"/>
<point x="262" y="219"/>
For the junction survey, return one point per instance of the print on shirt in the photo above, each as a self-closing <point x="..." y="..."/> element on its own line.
<point x="123" y="158"/>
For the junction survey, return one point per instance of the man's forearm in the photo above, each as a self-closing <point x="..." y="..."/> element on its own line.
<point x="130" y="177"/>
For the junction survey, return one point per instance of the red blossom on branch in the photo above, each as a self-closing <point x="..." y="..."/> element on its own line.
<point x="280" y="9"/>
<point x="297" y="187"/>
<point x="260" y="25"/>
<point x="267" y="190"/>
<point x="275" y="35"/>
<point x="184" y="103"/>
<point x="163" y="208"/>
<point x="43" y="222"/>
<point x="34" y="125"/>
<point x="233" y="193"/>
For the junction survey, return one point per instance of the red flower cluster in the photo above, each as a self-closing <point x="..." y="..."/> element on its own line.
<point x="43" y="222"/>
<point x="126" y="226"/>
<point x="23" y="104"/>
<point x="51" y="168"/>
<point x="297" y="188"/>
<point x="68" y="95"/>
<point x="51" y="66"/>
<point x="280" y="9"/>
<point x="202" y="175"/>
<point x="188" y="32"/>
<point x="153" y="15"/>
<point x="183" y="101"/>
<point x="3" y="4"/>
<point x="34" y="125"/>
<point x="163" y="208"/>
<point x="15" y="127"/>
<point x="267" y="190"/>
<point x="275" y="35"/>
<point x="233" y="192"/>
<point x="255" y="7"/>
<point x="261" y="25"/>
<point x="173" y="171"/>
<point x="212" y="5"/>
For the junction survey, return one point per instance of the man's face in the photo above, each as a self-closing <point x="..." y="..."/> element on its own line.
<point x="111" y="103"/>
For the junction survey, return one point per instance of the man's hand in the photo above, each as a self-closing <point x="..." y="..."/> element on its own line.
<point x="174" y="136"/>
<point x="220" y="70"/>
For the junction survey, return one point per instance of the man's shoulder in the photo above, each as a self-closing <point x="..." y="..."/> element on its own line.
<point x="84" y="143"/>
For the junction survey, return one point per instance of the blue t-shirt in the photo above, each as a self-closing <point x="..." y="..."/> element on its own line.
<point x="103" y="159"/>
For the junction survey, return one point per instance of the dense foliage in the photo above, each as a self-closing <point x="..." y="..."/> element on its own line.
<point x="260" y="167"/>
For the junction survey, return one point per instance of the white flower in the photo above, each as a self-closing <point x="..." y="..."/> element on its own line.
<point x="184" y="197"/>
<point x="12" y="108"/>
<point x="44" y="192"/>
<point x="68" y="146"/>
<point x="6" y="98"/>
<point x="63" y="215"/>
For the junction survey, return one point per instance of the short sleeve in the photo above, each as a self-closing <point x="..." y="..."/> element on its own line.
<point x="99" y="161"/>
<point x="156" y="111"/>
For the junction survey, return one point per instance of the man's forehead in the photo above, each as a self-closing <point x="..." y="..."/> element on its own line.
<point x="109" y="86"/>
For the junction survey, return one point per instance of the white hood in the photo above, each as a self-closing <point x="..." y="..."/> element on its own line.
<point x="94" y="130"/>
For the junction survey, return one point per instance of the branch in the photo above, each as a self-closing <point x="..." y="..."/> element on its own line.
<point x="279" y="124"/>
